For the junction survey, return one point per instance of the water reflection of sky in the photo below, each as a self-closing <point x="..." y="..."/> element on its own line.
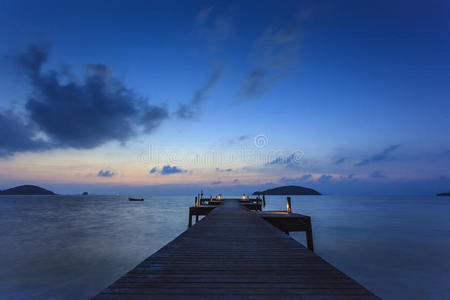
<point x="72" y="246"/>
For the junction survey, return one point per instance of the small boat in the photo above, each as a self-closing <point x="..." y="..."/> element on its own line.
<point x="136" y="199"/>
<point x="443" y="194"/>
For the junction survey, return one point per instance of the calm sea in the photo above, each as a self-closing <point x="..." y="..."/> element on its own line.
<point x="70" y="247"/>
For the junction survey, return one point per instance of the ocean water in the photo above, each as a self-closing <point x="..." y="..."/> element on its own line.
<point x="71" y="247"/>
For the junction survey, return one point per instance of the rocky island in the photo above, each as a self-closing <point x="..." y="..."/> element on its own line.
<point x="26" y="190"/>
<point x="289" y="190"/>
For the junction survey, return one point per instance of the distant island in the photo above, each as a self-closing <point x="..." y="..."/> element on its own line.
<point x="443" y="194"/>
<point x="289" y="190"/>
<point x="26" y="190"/>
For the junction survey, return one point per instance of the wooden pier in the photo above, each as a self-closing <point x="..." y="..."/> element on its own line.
<point x="235" y="253"/>
<point x="203" y="206"/>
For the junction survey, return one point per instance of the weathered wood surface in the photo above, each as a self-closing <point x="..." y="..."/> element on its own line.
<point x="233" y="253"/>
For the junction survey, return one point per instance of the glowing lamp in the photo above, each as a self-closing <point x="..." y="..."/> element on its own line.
<point x="288" y="205"/>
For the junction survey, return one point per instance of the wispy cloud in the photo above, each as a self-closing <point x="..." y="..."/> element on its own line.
<point x="289" y="160"/>
<point x="276" y="54"/>
<point x="325" y="178"/>
<point x="191" y="110"/>
<point x="240" y="138"/>
<point x="214" y="26"/>
<point x="340" y="161"/>
<point x="377" y="174"/>
<point x="379" y="157"/>
<point x="295" y="180"/>
<point x="306" y="177"/>
<point x="255" y="84"/>
<point x="216" y="182"/>
<point x="223" y="170"/>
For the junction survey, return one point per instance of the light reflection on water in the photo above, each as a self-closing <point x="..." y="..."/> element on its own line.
<point x="73" y="246"/>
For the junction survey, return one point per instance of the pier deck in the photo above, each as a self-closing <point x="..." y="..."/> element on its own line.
<point x="234" y="253"/>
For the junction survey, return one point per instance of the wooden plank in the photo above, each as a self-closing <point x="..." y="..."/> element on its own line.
<point x="233" y="252"/>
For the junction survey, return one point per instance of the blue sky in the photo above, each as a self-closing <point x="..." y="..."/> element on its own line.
<point x="345" y="97"/>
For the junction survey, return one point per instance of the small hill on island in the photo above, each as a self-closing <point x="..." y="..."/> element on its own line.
<point x="289" y="190"/>
<point x="26" y="190"/>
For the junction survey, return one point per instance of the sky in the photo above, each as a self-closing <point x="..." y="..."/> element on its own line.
<point x="171" y="97"/>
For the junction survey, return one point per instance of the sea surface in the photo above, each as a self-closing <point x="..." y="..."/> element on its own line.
<point x="71" y="247"/>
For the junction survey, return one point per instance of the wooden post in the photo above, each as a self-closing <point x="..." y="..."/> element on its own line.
<point x="264" y="200"/>
<point x="190" y="219"/>
<point x="196" y="219"/>
<point x="309" y="236"/>
<point x="288" y="205"/>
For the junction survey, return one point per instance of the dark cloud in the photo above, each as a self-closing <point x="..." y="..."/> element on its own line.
<point x="377" y="174"/>
<point x="379" y="157"/>
<point x="85" y="114"/>
<point x="167" y="170"/>
<point x="32" y="60"/>
<point x="105" y="173"/>
<point x="216" y="182"/>
<point x="18" y="136"/>
<point x="223" y="170"/>
<point x="339" y="161"/>
<point x="191" y="110"/>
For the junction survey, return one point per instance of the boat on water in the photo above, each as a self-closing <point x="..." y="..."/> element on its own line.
<point x="136" y="199"/>
<point x="443" y="194"/>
